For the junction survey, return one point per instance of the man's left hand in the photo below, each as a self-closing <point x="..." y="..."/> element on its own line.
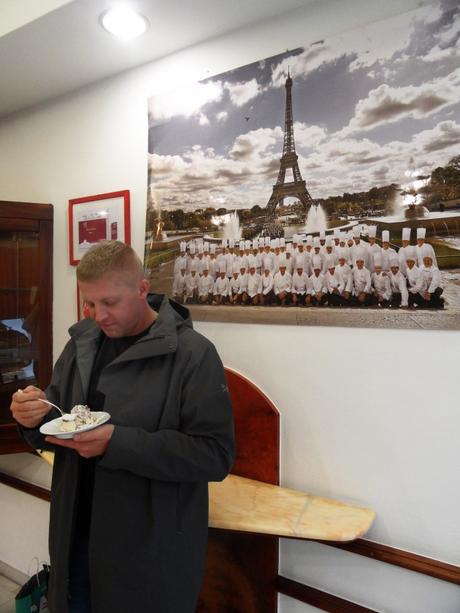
<point x="87" y="444"/>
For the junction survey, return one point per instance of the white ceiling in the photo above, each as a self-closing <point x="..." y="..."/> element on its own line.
<point x="51" y="47"/>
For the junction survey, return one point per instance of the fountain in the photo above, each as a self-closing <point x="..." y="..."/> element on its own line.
<point x="316" y="219"/>
<point x="230" y="224"/>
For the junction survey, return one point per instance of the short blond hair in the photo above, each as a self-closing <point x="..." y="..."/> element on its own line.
<point x="110" y="257"/>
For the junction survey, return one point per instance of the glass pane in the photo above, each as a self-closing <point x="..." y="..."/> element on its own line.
<point x="19" y="304"/>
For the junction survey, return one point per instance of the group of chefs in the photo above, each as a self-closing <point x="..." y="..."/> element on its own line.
<point x="334" y="270"/>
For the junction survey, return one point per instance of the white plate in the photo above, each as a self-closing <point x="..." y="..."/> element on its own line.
<point x="52" y="428"/>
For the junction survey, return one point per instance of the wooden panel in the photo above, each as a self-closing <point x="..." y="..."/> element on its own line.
<point x="317" y="598"/>
<point x="26" y="210"/>
<point x="241" y="568"/>
<point x="404" y="559"/>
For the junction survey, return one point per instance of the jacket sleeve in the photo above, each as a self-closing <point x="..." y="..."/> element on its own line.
<point x="201" y="450"/>
<point x="33" y="436"/>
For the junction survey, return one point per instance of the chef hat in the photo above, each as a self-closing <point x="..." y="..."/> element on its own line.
<point x="183" y="245"/>
<point x="206" y="265"/>
<point x="336" y="233"/>
<point x="342" y="237"/>
<point x="377" y="260"/>
<point x="394" y="261"/>
<point x="255" y="243"/>
<point x="406" y="234"/>
<point x="277" y="243"/>
<point x="421" y="232"/>
<point x="350" y="235"/>
<point x="241" y="245"/>
<point x="206" y="246"/>
<point x="330" y="261"/>
<point x="282" y="242"/>
<point x="360" y="255"/>
<point x="247" y="244"/>
<point x="213" y="248"/>
<point x="224" y="242"/>
<point x="282" y="262"/>
<point x="200" y="249"/>
<point x="316" y="261"/>
<point x="426" y="251"/>
<point x="192" y="249"/>
<point x="322" y="235"/>
<point x="235" y="267"/>
<point x="295" y="239"/>
<point x="193" y="266"/>
<point x="309" y="240"/>
<point x="357" y="231"/>
<point x="231" y="242"/>
<point x="410" y="253"/>
<point x="289" y="248"/>
<point x="329" y="242"/>
<point x="385" y="236"/>
<point x="300" y="241"/>
<point x="372" y="231"/>
<point x="267" y="241"/>
<point x="272" y="243"/>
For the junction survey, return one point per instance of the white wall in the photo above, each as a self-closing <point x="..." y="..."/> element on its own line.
<point x="368" y="416"/>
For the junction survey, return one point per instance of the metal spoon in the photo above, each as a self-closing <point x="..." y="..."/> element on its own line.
<point x="52" y="405"/>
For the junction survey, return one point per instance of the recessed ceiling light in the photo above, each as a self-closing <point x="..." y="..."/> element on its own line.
<point x="124" y="23"/>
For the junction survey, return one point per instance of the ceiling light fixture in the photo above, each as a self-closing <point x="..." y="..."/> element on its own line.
<point x="124" y="23"/>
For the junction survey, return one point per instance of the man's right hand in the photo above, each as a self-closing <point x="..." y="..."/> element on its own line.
<point x="27" y="410"/>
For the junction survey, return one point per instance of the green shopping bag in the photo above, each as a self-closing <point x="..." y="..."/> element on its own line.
<point x="32" y="597"/>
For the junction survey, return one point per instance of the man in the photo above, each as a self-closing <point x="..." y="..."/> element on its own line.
<point x="317" y="290"/>
<point x="361" y="280"/>
<point x="381" y="288"/>
<point x="205" y="286"/>
<point x="422" y="248"/>
<point x="386" y="252"/>
<point x="299" y="286"/>
<point x="221" y="287"/>
<point x="254" y="286"/>
<point x="334" y="283"/>
<point x="134" y="492"/>
<point x="179" y="290"/>
<point x="404" y="249"/>
<point x="398" y="284"/>
<point x="282" y="282"/>
<point x="414" y="277"/>
<point x="267" y="296"/>
<point x="431" y="290"/>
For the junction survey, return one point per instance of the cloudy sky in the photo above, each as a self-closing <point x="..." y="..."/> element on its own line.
<point x="371" y="107"/>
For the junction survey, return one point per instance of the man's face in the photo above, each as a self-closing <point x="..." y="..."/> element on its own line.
<point x="410" y="264"/>
<point x="299" y="271"/>
<point x="394" y="269"/>
<point x="405" y="243"/>
<point x="331" y="270"/>
<point x="420" y="241"/>
<point x="341" y="261"/>
<point x="360" y="264"/>
<point x="266" y="272"/>
<point x="427" y="262"/>
<point x="252" y="270"/>
<point x="377" y="269"/>
<point x="117" y="307"/>
<point x="282" y="269"/>
<point x="205" y="272"/>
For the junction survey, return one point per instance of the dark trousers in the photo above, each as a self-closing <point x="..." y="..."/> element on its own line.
<point x="79" y="586"/>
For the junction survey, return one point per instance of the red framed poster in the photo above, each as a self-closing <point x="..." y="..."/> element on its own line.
<point x="96" y="218"/>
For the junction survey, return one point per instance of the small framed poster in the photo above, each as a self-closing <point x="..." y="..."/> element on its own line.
<point x="97" y="218"/>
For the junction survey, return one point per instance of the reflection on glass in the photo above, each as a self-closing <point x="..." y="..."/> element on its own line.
<point x="19" y="302"/>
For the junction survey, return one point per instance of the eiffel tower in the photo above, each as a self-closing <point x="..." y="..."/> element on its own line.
<point x="297" y="187"/>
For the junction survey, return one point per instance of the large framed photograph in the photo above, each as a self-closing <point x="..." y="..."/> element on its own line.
<point x="320" y="186"/>
<point x="97" y="218"/>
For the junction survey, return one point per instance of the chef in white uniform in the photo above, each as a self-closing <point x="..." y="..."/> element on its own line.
<point x="381" y="288"/>
<point x="387" y="252"/>
<point x="267" y="288"/>
<point x="398" y="284"/>
<point x="424" y="248"/>
<point x="317" y="290"/>
<point x="361" y="280"/>
<point x="282" y="282"/>
<point x="299" y="286"/>
<point x="413" y="275"/>
<point x="432" y="282"/>
<point x="373" y="246"/>
<point x="403" y="250"/>
<point x="334" y="283"/>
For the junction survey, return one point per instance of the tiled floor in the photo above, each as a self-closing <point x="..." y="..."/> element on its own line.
<point x="8" y="590"/>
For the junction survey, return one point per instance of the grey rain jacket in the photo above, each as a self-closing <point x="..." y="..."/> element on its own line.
<point x="169" y="403"/>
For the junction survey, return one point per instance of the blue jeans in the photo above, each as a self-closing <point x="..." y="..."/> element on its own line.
<point x="79" y="586"/>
